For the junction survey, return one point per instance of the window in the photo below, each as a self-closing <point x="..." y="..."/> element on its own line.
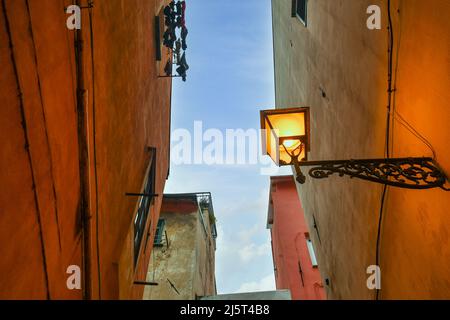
<point x="300" y="10"/>
<point x="145" y="202"/>
<point x="312" y="254"/>
<point x="159" y="235"/>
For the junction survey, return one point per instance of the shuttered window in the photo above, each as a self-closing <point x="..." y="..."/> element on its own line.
<point x="145" y="203"/>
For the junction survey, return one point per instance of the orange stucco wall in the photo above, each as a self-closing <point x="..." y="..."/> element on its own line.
<point x="40" y="217"/>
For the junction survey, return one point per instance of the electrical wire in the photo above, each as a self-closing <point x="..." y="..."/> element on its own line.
<point x="396" y="115"/>
<point x="380" y="221"/>
<point x="390" y="89"/>
<point x="410" y="128"/>
<point x="44" y="117"/>
<point x="69" y="49"/>
<point x="91" y="30"/>
<point x="27" y="147"/>
<point x="388" y="137"/>
<point x="402" y="121"/>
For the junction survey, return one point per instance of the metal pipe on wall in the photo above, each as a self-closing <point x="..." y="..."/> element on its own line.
<point x="83" y="163"/>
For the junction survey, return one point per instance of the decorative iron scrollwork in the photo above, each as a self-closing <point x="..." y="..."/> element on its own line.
<point x="411" y="173"/>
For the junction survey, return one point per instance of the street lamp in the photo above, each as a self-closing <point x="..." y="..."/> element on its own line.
<point x="286" y="139"/>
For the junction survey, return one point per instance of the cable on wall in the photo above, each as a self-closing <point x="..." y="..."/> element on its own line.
<point x="396" y="115"/>
<point x="388" y="136"/>
<point x="44" y="116"/>
<point x="391" y="111"/>
<point x="94" y="132"/>
<point x="27" y="148"/>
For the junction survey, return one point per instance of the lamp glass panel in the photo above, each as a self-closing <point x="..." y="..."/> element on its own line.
<point x="289" y="124"/>
<point x="288" y="127"/>
<point x="272" y="143"/>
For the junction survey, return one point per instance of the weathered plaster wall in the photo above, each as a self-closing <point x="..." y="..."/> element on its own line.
<point x="188" y="262"/>
<point x="204" y="275"/>
<point x="337" y="54"/>
<point x="176" y="263"/>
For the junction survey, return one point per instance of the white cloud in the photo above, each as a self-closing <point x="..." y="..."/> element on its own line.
<point x="265" y="284"/>
<point x="251" y="251"/>
<point x="246" y="235"/>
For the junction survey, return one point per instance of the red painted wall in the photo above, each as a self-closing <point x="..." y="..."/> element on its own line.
<point x="289" y="233"/>
<point x="179" y="206"/>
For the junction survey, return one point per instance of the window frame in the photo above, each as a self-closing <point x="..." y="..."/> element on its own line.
<point x="312" y="252"/>
<point x="145" y="204"/>
<point x="295" y="11"/>
<point x="158" y="241"/>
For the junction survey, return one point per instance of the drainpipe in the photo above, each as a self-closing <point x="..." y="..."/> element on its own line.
<point x="83" y="155"/>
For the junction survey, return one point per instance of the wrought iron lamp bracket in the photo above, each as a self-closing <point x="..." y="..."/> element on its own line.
<point x="410" y="173"/>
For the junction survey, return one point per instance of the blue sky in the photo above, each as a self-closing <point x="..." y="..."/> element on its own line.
<point x="230" y="79"/>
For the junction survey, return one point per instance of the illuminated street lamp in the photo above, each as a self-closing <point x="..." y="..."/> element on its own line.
<point x="286" y="139"/>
